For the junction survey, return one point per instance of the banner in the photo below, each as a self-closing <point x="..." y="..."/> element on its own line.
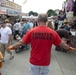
<point x="13" y="5"/>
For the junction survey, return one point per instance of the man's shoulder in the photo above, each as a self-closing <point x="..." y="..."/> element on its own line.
<point x="33" y="29"/>
<point x="28" y="23"/>
<point x="1" y="29"/>
<point x="50" y="30"/>
<point x="8" y="24"/>
<point x="7" y="28"/>
<point x="24" y="24"/>
<point x="16" y="24"/>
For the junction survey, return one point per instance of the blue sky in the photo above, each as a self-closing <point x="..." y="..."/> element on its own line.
<point x="40" y="6"/>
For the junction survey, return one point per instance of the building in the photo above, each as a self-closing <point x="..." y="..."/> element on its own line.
<point x="9" y="10"/>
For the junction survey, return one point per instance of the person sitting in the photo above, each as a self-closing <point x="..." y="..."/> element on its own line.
<point x="63" y="34"/>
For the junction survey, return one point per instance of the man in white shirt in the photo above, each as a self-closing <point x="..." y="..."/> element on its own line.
<point x="6" y="37"/>
<point x="16" y="28"/>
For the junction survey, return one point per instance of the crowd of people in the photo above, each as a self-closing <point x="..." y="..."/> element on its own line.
<point x="40" y="34"/>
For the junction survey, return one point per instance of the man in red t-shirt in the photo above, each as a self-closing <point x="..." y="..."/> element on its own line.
<point x="41" y="39"/>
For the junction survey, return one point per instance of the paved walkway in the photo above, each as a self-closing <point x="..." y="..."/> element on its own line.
<point x="61" y="63"/>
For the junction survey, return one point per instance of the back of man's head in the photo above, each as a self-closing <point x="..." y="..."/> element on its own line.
<point x="42" y="18"/>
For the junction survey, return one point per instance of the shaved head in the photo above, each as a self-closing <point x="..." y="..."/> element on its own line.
<point x="42" y="18"/>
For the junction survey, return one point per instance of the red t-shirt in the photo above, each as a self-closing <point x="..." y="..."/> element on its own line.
<point x="41" y="39"/>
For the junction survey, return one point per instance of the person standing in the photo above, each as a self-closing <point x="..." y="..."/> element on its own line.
<point x="16" y="28"/>
<point x="41" y="39"/>
<point x="56" y="24"/>
<point x="26" y="26"/>
<point x="50" y="25"/>
<point x="8" y="24"/>
<point x="6" y="37"/>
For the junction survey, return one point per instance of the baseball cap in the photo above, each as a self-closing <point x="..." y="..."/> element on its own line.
<point x="6" y="20"/>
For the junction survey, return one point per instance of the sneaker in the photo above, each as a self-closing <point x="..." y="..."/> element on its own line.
<point x="11" y="57"/>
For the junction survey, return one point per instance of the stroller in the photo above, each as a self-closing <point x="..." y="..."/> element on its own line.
<point x="21" y="48"/>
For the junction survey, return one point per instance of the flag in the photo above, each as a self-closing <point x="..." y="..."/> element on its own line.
<point x="24" y="2"/>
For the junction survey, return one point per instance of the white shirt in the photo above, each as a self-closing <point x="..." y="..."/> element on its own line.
<point x="21" y="28"/>
<point x="5" y="34"/>
<point x="17" y="26"/>
<point x="31" y="25"/>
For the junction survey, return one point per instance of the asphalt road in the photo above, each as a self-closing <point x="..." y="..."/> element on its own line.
<point x="61" y="63"/>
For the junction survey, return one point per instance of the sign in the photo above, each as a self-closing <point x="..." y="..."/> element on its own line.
<point x="9" y="4"/>
<point x="13" y="12"/>
<point x="13" y="5"/>
<point x="2" y="2"/>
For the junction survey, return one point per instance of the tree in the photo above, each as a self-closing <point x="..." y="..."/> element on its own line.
<point x="51" y="12"/>
<point x="33" y="13"/>
<point x="57" y="11"/>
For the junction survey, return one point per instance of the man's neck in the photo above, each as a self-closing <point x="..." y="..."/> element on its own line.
<point x="4" y="26"/>
<point x="42" y="24"/>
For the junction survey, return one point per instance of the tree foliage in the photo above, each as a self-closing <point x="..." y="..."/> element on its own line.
<point x="51" y="12"/>
<point x="33" y="13"/>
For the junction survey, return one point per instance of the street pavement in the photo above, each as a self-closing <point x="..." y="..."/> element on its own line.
<point x="61" y="63"/>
